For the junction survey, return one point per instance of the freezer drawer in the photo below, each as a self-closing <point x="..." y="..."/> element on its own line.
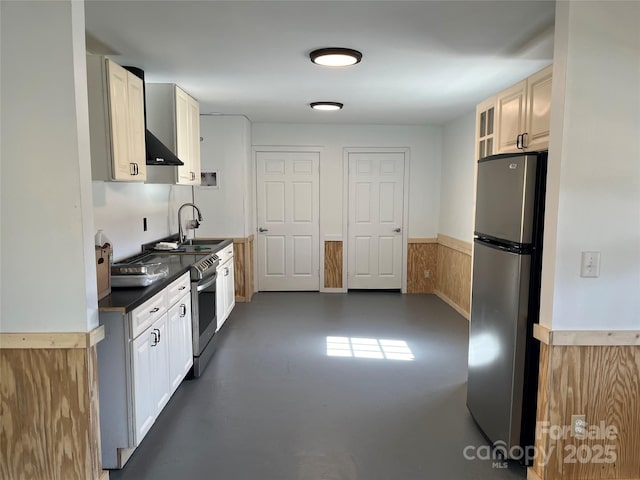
<point x="506" y="197"/>
<point x="497" y="342"/>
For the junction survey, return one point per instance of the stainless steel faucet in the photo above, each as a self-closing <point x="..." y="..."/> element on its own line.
<point x="195" y="224"/>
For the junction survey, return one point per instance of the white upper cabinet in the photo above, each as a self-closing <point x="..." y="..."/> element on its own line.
<point x="116" y="120"/>
<point x="510" y="110"/>
<point x="523" y="114"/>
<point x="174" y="117"/>
<point x="485" y="133"/>
<point x="538" y="118"/>
<point x="138" y="151"/>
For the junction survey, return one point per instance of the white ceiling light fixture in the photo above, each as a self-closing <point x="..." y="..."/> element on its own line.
<point x="335" y="57"/>
<point x="326" y="106"/>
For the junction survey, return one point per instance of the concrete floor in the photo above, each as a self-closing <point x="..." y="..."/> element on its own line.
<point x="272" y="405"/>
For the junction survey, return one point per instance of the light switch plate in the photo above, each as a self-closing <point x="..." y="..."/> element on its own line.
<point x="590" y="265"/>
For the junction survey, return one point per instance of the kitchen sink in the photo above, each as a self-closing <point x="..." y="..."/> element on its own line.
<point x="201" y="241"/>
<point x="198" y="248"/>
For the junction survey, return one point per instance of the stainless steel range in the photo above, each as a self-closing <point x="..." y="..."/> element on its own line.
<point x="203" y="309"/>
<point x="151" y="266"/>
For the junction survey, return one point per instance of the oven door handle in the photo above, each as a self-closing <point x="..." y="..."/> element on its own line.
<point x="201" y="287"/>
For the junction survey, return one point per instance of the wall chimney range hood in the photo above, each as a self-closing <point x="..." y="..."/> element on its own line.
<point x="157" y="152"/>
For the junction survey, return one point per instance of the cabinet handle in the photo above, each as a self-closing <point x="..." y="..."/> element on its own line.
<point x="154" y="310"/>
<point x="156" y="338"/>
<point x="132" y="168"/>
<point x="158" y="331"/>
<point x="183" y="309"/>
<point x="524" y="140"/>
<point x="518" y="142"/>
<point x="182" y="287"/>
<point x="226" y="271"/>
<point x="193" y="175"/>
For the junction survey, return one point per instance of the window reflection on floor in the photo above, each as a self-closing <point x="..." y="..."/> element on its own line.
<point x="369" y="348"/>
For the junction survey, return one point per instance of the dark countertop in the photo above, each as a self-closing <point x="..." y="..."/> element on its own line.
<point x="126" y="299"/>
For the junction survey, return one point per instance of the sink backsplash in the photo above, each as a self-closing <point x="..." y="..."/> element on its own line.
<point x="119" y="210"/>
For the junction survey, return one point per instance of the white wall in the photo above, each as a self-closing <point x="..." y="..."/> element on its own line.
<point x="119" y="208"/>
<point x="458" y="167"/>
<point x="593" y="192"/>
<point x="425" y="143"/>
<point x="226" y="147"/>
<point x="48" y="260"/>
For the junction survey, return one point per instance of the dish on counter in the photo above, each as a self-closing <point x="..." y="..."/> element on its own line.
<point x="139" y="280"/>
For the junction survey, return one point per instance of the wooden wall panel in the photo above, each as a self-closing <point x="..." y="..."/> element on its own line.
<point x="542" y="414"/>
<point x="603" y="383"/>
<point x="453" y="278"/>
<point x="239" y="269"/>
<point x="49" y="419"/>
<point x="421" y="257"/>
<point x="243" y="268"/>
<point x="333" y="264"/>
<point x="449" y="261"/>
<point x="248" y="269"/>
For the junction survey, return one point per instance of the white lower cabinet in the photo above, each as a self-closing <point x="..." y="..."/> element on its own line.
<point x="181" y="355"/>
<point x="225" y="286"/>
<point x="143" y="359"/>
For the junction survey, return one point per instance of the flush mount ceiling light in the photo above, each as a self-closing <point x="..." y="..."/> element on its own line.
<point x="335" y="57"/>
<point x="326" y="106"/>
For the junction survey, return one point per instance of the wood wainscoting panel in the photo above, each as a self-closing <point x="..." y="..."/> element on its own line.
<point x="542" y="412"/>
<point x="602" y="383"/>
<point x="421" y="257"/>
<point x="453" y="278"/>
<point x="239" y="269"/>
<point x="243" y="268"/>
<point x="248" y="269"/>
<point x="49" y="418"/>
<point x="333" y="259"/>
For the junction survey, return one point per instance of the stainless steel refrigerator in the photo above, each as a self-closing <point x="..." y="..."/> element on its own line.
<point x="503" y="355"/>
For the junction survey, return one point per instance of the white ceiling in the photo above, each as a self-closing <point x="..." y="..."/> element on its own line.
<point x="423" y="61"/>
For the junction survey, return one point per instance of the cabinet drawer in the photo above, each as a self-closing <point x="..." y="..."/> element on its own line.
<point x="147" y="313"/>
<point x="178" y="289"/>
<point x="225" y="253"/>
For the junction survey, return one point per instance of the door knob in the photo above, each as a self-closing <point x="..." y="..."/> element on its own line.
<point x="263" y="229"/>
<point x="397" y="230"/>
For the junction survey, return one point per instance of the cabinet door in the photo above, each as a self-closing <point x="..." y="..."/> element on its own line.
<point x="538" y="116"/>
<point x="194" y="138"/>
<point x="180" y="338"/>
<point x="160" y="358"/>
<point x="143" y="376"/>
<point x="510" y="115"/>
<point x="229" y="290"/>
<point x="183" y="139"/>
<point x="220" y="298"/>
<point x="119" y="121"/>
<point x="485" y="122"/>
<point x="137" y="150"/>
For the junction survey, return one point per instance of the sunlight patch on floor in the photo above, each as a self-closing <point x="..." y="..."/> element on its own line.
<point x="373" y="348"/>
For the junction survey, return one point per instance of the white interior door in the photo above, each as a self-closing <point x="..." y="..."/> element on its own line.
<point x="288" y="220"/>
<point x="376" y="197"/>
